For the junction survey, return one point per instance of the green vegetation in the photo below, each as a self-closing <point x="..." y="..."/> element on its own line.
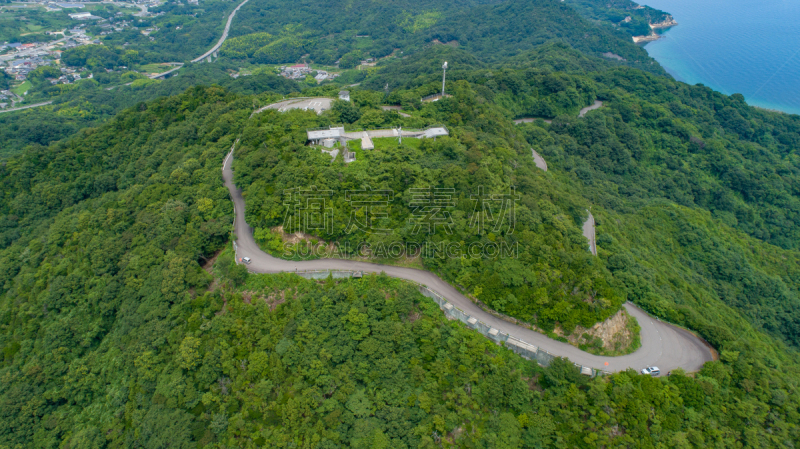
<point x="124" y="321"/>
<point x="95" y="57"/>
<point x="88" y="102"/>
<point x="360" y="363"/>
<point x="22" y="88"/>
<point x="616" y="12"/>
<point x="661" y="144"/>
<point x="277" y="32"/>
<point x="245" y="46"/>
<point x="286" y="49"/>
<point x="182" y="33"/>
<point x="104" y="235"/>
<point x="5" y="80"/>
<point x="535" y="285"/>
<point x="29" y="24"/>
<point x="347" y="31"/>
<point x="264" y="48"/>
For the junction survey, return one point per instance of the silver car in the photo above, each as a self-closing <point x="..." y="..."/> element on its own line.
<point x="651" y="370"/>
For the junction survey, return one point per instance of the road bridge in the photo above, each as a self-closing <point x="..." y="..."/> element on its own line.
<point x="224" y="34"/>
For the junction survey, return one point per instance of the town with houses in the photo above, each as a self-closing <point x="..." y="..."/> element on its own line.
<point x="300" y="71"/>
<point x="19" y="59"/>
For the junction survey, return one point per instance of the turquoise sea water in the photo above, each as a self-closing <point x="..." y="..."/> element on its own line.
<point x="735" y="46"/>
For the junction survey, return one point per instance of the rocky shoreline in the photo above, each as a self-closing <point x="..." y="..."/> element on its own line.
<point x="653" y="36"/>
<point x="670" y="22"/>
<point x="649" y="38"/>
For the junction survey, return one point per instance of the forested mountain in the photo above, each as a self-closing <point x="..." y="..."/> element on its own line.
<point x="657" y="142"/>
<point x="274" y="31"/>
<point x="125" y="322"/>
<point x="179" y="31"/>
<point x="114" y="336"/>
<point x="627" y="15"/>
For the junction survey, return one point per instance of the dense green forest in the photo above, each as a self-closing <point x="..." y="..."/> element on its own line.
<point x="276" y="32"/>
<point x="5" y="81"/>
<point x="182" y="31"/>
<point x="28" y="25"/>
<point x="657" y="142"/>
<point x="491" y="30"/>
<point x="551" y="277"/>
<point x="629" y="16"/>
<point x="124" y="321"/>
<point x="104" y="235"/>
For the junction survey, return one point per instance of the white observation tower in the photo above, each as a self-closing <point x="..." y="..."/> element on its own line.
<point x="444" y="74"/>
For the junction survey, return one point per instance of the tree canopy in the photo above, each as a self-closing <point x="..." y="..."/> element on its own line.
<point x="125" y="321"/>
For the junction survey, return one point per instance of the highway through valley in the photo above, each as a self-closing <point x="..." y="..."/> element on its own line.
<point x="26" y="107"/>
<point x="663" y="345"/>
<point x="224" y="34"/>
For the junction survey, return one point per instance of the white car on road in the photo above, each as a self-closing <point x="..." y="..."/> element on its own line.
<point x="651" y="370"/>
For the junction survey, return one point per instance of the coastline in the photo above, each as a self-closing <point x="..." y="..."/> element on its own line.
<point x="670" y="22"/>
<point x="747" y="49"/>
<point x="653" y="36"/>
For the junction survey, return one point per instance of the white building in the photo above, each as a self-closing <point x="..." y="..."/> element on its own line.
<point x="83" y="16"/>
<point x="321" y="137"/>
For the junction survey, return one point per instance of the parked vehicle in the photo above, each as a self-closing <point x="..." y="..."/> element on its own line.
<point x="651" y="370"/>
<point x="246" y="260"/>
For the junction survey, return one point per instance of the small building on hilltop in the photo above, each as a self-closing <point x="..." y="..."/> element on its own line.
<point x="338" y="133"/>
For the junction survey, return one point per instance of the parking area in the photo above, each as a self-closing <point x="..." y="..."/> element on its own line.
<point x="308" y="104"/>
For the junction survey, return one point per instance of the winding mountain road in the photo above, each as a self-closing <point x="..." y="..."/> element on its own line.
<point x="663" y="345"/>
<point x="539" y="160"/>
<point x="589" y="233"/>
<point x="224" y="34"/>
<point x="596" y="105"/>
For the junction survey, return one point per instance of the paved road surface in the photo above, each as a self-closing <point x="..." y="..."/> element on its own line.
<point x="530" y="120"/>
<point x="398" y="109"/>
<point x="224" y="34"/>
<point x="175" y="66"/>
<point x="663" y="345"/>
<point x="588" y="232"/>
<point x="539" y="160"/>
<point x="26" y="107"/>
<point x="317" y="104"/>
<point x="597" y="104"/>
